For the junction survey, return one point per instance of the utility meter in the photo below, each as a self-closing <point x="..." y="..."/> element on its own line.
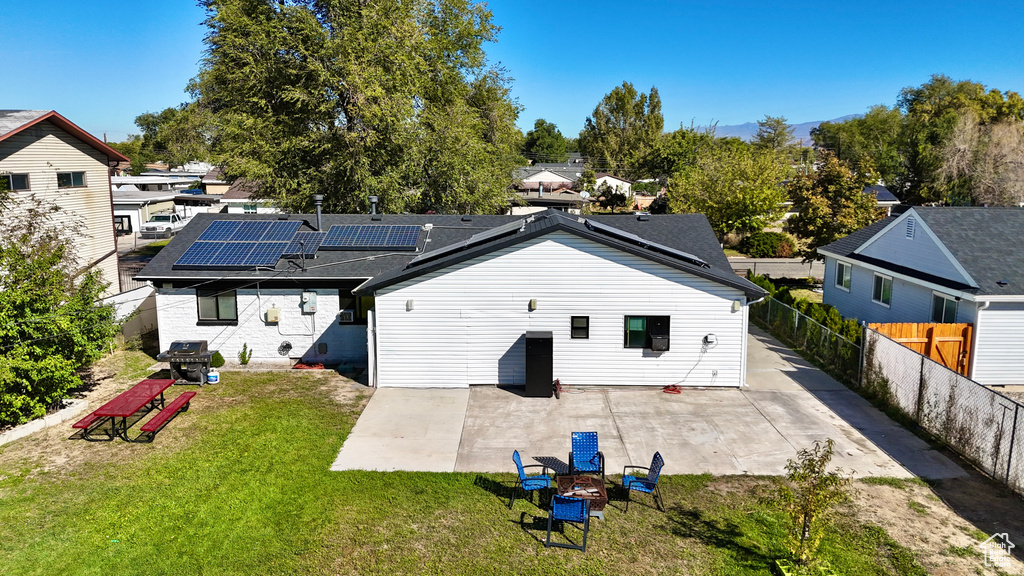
<point x="309" y="302"/>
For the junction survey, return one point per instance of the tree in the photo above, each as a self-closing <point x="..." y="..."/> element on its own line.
<point x="587" y="182"/>
<point x="624" y="127"/>
<point x="50" y="324"/>
<point x="812" y="494"/>
<point x="877" y="136"/>
<point x="831" y="203"/>
<point x="677" y="151"/>
<point x="984" y="164"/>
<point x="932" y="113"/>
<point x="739" y="189"/>
<point x="350" y="99"/>
<point x="545" y="143"/>
<point x="773" y="133"/>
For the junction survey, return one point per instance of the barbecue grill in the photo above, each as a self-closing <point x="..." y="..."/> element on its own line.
<point x="189" y="360"/>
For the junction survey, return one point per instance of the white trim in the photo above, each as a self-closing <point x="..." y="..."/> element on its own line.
<point x="925" y="283"/>
<point x="919" y="223"/>
<point x="884" y="277"/>
<point x="847" y="276"/>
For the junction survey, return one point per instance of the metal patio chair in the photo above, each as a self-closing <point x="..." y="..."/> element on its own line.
<point x="574" y="510"/>
<point x="585" y="458"/>
<point x="647" y="484"/>
<point x="528" y="483"/>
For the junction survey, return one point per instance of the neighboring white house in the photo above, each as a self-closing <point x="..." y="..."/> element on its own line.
<point x="619" y="185"/>
<point x="445" y="301"/>
<point x="45" y="155"/>
<point x="238" y="200"/>
<point x="939" y="265"/>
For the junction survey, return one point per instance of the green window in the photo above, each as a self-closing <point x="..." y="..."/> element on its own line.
<point x="636" y="331"/>
<point x="580" y="327"/>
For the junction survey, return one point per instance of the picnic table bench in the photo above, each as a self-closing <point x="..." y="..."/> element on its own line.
<point x="144" y="397"/>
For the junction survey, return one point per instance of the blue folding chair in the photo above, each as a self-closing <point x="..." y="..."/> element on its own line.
<point x="528" y="483"/>
<point x="565" y="509"/>
<point x="646" y="484"/>
<point x="585" y="458"/>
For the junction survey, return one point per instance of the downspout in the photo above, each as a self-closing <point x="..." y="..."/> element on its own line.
<point x="974" y="338"/>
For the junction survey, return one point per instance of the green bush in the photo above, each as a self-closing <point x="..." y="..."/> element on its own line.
<point x="767" y="245"/>
<point x="762" y="282"/>
<point x="245" y="354"/>
<point x="217" y="361"/>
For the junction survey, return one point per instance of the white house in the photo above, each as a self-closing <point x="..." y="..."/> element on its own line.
<point x="939" y="265"/>
<point x="618" y="185"/>
<point x="133" y="207"/>
<point x="46" y="156"/>
<point x="446" y="301"/>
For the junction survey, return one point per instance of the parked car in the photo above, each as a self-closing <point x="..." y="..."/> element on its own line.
<point x="163" y="225"/>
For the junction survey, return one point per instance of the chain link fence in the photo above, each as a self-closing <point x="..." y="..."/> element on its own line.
<point x="979" y="423"/>
<point x="839" y="355"/>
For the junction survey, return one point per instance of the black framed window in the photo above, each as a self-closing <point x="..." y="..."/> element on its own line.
<point x="70" y="179"/>
<point x="580" y="327"/>
<point x="16" y="182"/>
<point x="943" y="308"/>
<point x="355" y="309"/>
<point x="217" y="306"/>
<point x="650" y="332"/>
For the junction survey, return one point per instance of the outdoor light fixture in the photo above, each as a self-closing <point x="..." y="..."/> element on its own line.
<point x="409" y="305"/>
<point x="736" y="304"/>
<point x="533" y="304"/>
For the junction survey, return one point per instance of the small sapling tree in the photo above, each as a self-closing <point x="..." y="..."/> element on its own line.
<point x="812" y="493"/>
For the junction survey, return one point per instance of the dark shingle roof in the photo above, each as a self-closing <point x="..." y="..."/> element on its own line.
<point x="690" y="233"/>
<point x="983" y="240"/>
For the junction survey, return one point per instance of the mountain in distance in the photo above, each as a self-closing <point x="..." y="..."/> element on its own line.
<point x="801" y="131"/>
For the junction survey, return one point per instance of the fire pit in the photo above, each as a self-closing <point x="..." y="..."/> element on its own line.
<point x="189" y="360"/>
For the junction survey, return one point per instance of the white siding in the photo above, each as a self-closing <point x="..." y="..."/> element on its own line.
<point x="468" y="320"/>
<point x="43" y="150"/>
<point x="999" y="345"/>
<point x="178" y="315"/>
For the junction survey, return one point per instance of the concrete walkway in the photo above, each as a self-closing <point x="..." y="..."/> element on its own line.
<point x="787" y="406"/>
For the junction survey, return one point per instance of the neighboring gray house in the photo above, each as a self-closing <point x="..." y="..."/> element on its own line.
<point x="939" y="265"/>
<point x="445" y="301"/>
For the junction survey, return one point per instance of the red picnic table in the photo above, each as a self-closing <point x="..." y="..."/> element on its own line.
<point x="146" y="394"/>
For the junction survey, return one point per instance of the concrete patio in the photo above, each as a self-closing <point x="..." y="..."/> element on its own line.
<point x="787" y="405"/>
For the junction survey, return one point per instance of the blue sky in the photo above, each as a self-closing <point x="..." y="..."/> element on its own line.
<point x="102" y="63"/>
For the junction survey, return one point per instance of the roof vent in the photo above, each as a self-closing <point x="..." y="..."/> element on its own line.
<point x="467" y="218"/>
<point x="1002" y="283"/>
<point x="376" y="217"/>
<point x="911" y="224"/>
<point x="643" y="217"/>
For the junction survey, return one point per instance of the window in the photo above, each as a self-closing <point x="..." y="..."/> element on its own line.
<point x="882" y="292"/>
<point x="943" y="308"/>
<point x="646" y="332"/>
<point x="354" y="310"/>
<point x="16" y="182"/>
<point x="843" y="276"/>
<point x="249" y="208"/>
<point x="70" y="179"/>
<point x="580" y="327"/>
<point x="217" y="307"/>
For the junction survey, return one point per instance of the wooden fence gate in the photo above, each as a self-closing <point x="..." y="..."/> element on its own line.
<point x="947" y="344"/>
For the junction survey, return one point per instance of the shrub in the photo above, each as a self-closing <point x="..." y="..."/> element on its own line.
<point x="767" y="245"/>
<point x="217" y="361"/>
<point x="245" y="354"/>
<point x="762" y="282"/>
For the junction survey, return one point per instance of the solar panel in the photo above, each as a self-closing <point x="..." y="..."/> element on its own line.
<point x="667" y="250"/>
<point x="281" y="231"/>
<point x="265" y="254"/>
<point x="220" y="230"/>
<point x="198" y="254"/>
<point x="371" y="237"/>
<point x="249" y="231"/>
<point x="304" y="243"/>
<point x="231" y="255"/>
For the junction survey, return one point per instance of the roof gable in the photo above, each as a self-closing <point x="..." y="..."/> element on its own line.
<point x="909" y="242"/>
<point x="15" y="121"/>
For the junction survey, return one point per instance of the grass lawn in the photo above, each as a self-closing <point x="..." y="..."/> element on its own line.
<point x="240" y="484"/>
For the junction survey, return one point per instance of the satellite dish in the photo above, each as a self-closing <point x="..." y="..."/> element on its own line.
<point x="584" y="195"/>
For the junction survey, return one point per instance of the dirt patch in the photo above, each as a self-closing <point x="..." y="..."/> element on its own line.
<point x="945" y="541"/>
